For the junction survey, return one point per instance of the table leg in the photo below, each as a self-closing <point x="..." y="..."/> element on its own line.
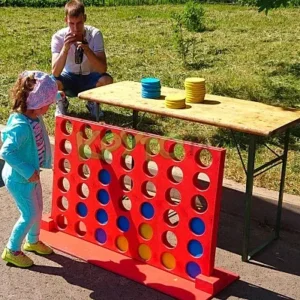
<point x="282" y="181"/>
<point x="251" y="173"/>
<point x="97" y="112"/>
<point x="135" y="116"/>
<point x="249" y="191"/>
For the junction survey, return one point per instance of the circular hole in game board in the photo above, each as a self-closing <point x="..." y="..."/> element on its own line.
<point x="100" y="236"/>
<point x="171" y="217"/>
<point x="61" y="222"/>
<point x="127" y="162"/>
<point x="64" y="166"/>
<point x="103" y="196"/>
<point x="197" y="226"/>
<point x="201" y="181"/>
<point x="122" y="243"/>
<point x="63" y="184"/>
<point x="87" y="131"/>
<point x="168" y="260"/>
<point x="204" y="158"/>
<point x="152" y="146"/>
<point x="175" y="174"/>
<point x="85" y="151"/>
<point x="108" y="138"/>
<point x="83" y="190"/>
<point x="104" y="177"/>
<point x="80" y="228"/>
<point x="199" y="203"/>
<point x="177" y="152"/>
<point x="126" y="203"/>
<point x="150" y="168"/>
<point x="123" y="223"/>
<point x="107" y="156"/>
<point x="65" y="146"/>
<point x="128" y="141"/>
<point x="169" y="239"/>
<point x="144" y="252"/>
<point x="102" y="216"/>
<point x="66" y="127"/>
<point x="63" y="203"/>
<point x="84" y="171"/>
<point x="81" y="209"/>
<point x="146" y="231"/>
<point x="147" y="210"/>
<point x="126" y="183"/>
<point x="192" y="269"/>
<point x="149" y="189"/>
<point x="195" y="248"/>
<point x="173" y="196"/>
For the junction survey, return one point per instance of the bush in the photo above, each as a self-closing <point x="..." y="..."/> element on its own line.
<point x="193" y="16"/>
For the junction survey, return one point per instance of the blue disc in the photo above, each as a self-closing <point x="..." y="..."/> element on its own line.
<point x="81" y="209"/>
<point x="193" y="269"/>
<point x="100" y="235"/>
<point x="102" y="216"/>
<point x="147" y="210"/>
<point x="103" y="197"/>
<point x="150" y="80"/>
<point x="123" y="223"/>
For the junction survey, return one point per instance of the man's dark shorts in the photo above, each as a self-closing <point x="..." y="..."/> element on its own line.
<point x="74" y="84"/>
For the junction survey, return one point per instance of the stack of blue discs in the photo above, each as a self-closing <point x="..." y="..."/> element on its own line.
<point x="150" y="88"/>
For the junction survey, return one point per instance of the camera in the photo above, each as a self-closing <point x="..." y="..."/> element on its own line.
<point x="79" y="54"/>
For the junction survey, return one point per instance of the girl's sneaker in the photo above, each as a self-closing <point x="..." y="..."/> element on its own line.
<point x="17" y="258"/>
<point x="39" y="248"/>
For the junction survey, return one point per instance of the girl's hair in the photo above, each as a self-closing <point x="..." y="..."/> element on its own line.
<point x="74" y="8"/>
<point x="20" y="92"/>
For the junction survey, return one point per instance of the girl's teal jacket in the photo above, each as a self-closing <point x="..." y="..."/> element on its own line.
<point x="19" y="149"/>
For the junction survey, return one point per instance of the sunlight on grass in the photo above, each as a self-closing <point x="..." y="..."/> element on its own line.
<point x="243" y="54"/>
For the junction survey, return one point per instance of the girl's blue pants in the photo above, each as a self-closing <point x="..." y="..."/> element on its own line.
<point x="28" y="197"/>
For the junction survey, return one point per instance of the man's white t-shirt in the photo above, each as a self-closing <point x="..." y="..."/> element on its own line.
<point x="95" y="40"/>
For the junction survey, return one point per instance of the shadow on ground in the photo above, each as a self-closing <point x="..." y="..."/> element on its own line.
<point x="281" y="254"/>
<point x="95" y="279"/>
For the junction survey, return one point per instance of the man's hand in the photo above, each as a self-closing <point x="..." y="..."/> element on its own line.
<point x="84" y="46"/>
<point x="70" y="39"/>
<point x="35" y="177"/>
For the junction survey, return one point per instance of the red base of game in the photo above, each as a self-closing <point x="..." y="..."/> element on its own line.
<point x="155" y="278"/>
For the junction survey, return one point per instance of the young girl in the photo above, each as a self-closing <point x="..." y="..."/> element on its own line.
<point x="25" y="149"/>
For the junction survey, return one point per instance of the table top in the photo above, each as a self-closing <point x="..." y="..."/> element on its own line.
<point x="236" y="114"/>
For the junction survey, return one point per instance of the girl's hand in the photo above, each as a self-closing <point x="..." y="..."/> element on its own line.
<point x="35" y="177"/>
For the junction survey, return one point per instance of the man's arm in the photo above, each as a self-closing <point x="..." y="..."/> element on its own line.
<point x="58" y="62"/>
<point x="97" y="60"/>
<point x="59" y="59"/>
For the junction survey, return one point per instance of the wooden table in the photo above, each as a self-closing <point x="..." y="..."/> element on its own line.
<point x="255" y="119"/>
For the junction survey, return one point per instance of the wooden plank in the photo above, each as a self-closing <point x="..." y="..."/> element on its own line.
<point x="239" y="115"/>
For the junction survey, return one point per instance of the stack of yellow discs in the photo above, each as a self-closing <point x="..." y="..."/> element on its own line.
<point x="175" y="101"/>
<point x="195" y="89"/>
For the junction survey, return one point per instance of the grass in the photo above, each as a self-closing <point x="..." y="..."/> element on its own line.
<point x="242" y="54"/>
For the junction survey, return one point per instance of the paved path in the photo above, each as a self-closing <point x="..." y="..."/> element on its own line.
<point x="273" y="275"/>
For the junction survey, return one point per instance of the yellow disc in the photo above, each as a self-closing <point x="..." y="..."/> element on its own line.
<point x="168" y="260"/>
<point x="175" y="97"/>
<point x="146" y="231"/>
<point x="194" y="80"/>
<point x="195" y="94"/>
<point x="122" y="243"/>
<point x="144" y="252"/>
<point x="194" y="86"/>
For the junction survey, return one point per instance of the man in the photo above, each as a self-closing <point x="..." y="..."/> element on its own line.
<point x="78" y="57"/>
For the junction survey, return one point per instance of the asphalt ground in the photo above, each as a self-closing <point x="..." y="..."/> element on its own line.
<point x="274" y="274"/>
